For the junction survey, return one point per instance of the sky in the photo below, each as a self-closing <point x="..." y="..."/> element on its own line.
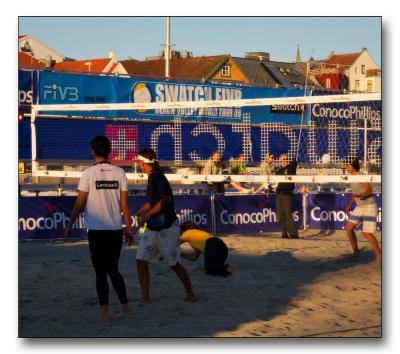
<point x="138" y="37"/>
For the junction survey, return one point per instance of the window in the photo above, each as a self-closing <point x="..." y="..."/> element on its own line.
<point x="369" y="86"/>
<point x="362" y="69"/>
<point x="328" y="83"/>
<point x="357" y="85"/>
<point x="355" y="70"/>
<point x="226" y="70"/>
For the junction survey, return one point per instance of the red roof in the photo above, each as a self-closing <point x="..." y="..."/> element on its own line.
<point x="29" y="62"/>
<point x="343" y="59"/>
<point x="191" y="68"/>
<point x="95" y="66"/>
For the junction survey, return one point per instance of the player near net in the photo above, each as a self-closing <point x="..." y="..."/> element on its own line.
<point x="365" y="213"/>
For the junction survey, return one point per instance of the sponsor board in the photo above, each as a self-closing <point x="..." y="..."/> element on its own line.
<point x="47" y="217"/>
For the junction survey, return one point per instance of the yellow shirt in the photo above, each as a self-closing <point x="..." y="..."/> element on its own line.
<point x="196" y="238"/>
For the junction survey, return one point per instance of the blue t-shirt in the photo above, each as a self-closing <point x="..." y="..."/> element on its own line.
<point x="157" y="187"/>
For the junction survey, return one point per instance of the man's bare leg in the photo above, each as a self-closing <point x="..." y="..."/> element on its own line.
<point x="144" y="279"/>
<point x="105" y="315"/>
<point x="184" y="278"/>
<point x="375" y="246"/>
<point x="352" y="238"/>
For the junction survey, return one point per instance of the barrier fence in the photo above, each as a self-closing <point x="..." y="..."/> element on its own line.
<point x="44" y="218"/>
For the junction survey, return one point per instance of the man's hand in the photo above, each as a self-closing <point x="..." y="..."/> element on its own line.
<point x="67" y="231"/>
<point x="129" y="237"/>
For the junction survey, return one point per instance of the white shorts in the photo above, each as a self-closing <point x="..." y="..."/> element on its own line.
<point x="156" y="244"/>
<point x="367" y="215"/>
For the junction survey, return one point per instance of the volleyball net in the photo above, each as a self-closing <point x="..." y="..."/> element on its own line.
<point x="321" y="132"/>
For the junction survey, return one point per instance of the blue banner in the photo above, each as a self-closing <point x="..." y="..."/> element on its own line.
<point x="60" y="88"/>
<point x="66" y="139"/>
<point x="326" y="211"/>
<point x="47" y="217"/>
<point x="252" y="214"/>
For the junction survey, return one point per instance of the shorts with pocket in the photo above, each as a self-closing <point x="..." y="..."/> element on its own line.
<point x="156" y="244"/>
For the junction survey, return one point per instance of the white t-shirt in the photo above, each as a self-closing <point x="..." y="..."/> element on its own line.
<point x="104" y="182"/>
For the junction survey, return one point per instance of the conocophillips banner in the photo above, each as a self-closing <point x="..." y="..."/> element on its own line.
<point x="47" y="217"/>
<point x="326" y="211"/>
<point x="252" y="213"/>
<point x="60" y="88"/>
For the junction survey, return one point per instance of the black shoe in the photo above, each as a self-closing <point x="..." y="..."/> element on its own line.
<point x="294" y="236"/>
<point x="284" y="236"/>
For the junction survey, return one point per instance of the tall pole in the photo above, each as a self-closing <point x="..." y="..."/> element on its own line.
<point x="167" y="51"/>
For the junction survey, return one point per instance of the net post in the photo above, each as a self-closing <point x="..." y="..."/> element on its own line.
<point x="365" y="142"/>
<point x="304" y="205"/>
<point x="213" y="214"/>
<point x="34" y="142"/>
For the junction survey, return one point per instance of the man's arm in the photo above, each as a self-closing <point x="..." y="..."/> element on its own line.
<point x="191" y="256"/>
<point x="157" y="207"/>
<point x="76" y="210"/>
<point x="350" y="204"/>
<point x="127" y="217"/>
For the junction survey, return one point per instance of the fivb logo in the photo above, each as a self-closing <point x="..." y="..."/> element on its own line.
<point x="56" y="92"/>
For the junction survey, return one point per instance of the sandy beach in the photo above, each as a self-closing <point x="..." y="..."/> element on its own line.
<point x="282" y="288"/>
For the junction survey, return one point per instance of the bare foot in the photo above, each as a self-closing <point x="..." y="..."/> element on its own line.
<point x="190" y="297"/>
<point x="231" y="269"/>
<point x="105" y="316"/>
<point x="355" y="254"/>
<point x="145" y="300"/>
<point x="125" y="309"/>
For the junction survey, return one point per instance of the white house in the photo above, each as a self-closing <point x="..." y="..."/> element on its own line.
<point x="360" y="68"/>
<point x="37" y="49"/>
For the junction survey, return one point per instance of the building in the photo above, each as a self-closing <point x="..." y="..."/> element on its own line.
<point x="37" y="49"/>
<point x="354" y="72"/>
<point x="255" y="68"/>
<point x="27" y="61"/>
<point x="108" y="65"/>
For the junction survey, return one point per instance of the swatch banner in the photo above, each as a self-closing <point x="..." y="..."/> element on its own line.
<point x="326" y="211"/>
<point x="252" y="213"/>
<point x="47" y="217"/>
<point x="60" y="88"/>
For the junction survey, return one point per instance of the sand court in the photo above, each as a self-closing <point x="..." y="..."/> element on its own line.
<point x="283" y="288"/>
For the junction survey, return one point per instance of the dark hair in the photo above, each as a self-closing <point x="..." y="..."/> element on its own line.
<point x="101" y="146"/>
<point x="355" y="163"/>
<point x="189" y="225"/>
<point x="149" y="154"/>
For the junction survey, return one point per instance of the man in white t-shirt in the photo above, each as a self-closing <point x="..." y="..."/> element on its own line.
<point x="103" y="193"/>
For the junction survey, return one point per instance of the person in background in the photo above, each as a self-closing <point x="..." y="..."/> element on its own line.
<point x="214" y="249"/>
<point x="284" y="198"/>
<point x="238" y="167"/>
<point x="161" y="236"/>
<point x="103" y="193"/>
<point x="267" y="168"/>
<point x="365" y="213"/>
<point x="213" y="166"/>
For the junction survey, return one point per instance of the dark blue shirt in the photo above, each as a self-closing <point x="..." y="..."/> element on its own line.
<point x="157" y="187"/>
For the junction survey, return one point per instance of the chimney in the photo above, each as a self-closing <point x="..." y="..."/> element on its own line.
<point x="264" y="56"/>
<point x="112" y="55"/>
<point x="48" y="60"/>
